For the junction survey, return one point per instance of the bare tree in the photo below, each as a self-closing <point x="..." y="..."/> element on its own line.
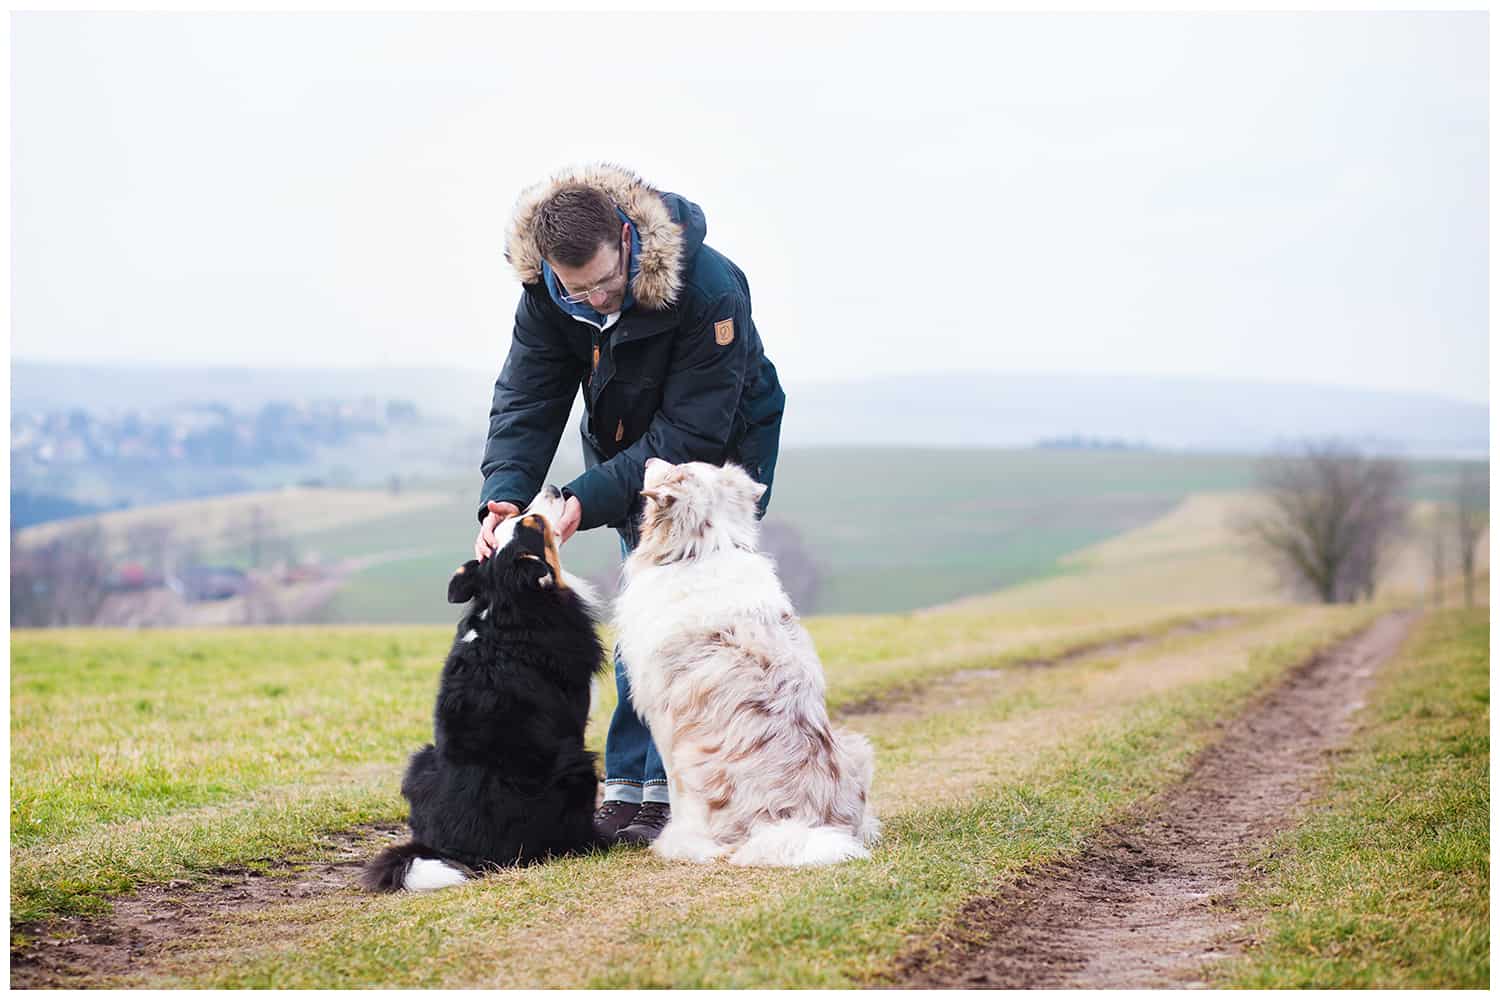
<point x="153" y="544"/>
<point x="1329" y="517"/>
<point x="1471" y="518"/>
<point x="1437" y="534"/>
<point x="256" y="533"/>
<point x="59" y="583"/>
<point x="261" y="606"/>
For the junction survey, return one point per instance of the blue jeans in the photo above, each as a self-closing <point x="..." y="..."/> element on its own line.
<point x="633" y="771"/>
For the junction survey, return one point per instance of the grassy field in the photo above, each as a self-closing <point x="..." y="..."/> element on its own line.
<point x="1189" y="557"/>
<point x="197" y="732"/>
<point x="157" y="758"/>
<point x="298" y="743"/>
<point x="146" y="758"/>
<point x="1388" y="884"/>
<point x="301" y="512"/>
<point x="992" y="519"/>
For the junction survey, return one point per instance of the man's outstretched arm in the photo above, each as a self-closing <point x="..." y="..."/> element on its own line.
<point x="532" y="399"/>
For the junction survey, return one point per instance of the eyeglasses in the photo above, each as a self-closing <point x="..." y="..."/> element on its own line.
<point x="608" y="287"/>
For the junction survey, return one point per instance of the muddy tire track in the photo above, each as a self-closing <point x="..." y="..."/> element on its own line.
<point x="1149" y="902"/>
<point x="897" y="700"/>
<point x="71" y="952"/>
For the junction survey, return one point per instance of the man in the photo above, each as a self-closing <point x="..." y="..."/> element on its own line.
<point x="621" y="297"/>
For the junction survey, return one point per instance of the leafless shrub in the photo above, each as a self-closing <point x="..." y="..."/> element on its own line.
<point x="1437" y="540"/>
<point x="1470" y="519"/>
<point x="261" y="606"/>
<point x="159" y="546"/>
<point x="1328" y="519"/>
<point x="60" y="583"/>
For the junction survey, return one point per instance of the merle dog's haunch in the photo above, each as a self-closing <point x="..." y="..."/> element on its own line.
<point x="506" y="780"/>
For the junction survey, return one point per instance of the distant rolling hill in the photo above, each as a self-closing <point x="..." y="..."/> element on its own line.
<point x="855" y="529"/>
<point x="945" y="411"/>
<point x="1189" y="414"/>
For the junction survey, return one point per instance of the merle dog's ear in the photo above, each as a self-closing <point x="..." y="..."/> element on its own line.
<point x="464" y="583"/>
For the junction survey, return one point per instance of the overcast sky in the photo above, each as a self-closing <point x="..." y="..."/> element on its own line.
<point x="1294" y="197"/>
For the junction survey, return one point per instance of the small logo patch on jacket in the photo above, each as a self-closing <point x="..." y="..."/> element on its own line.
<point x="724" y="332"/>
<point x="620" y="431"/>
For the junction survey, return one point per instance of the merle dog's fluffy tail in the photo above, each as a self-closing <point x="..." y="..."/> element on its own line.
<point x="415" y="867"/>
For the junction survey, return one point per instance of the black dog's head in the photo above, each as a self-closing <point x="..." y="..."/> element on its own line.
<point x="525" y="557"/>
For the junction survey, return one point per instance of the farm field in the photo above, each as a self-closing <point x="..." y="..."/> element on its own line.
<point x="226" y="783"/>
<point x="993" y="520"/>
<point x="1188" y="557"/>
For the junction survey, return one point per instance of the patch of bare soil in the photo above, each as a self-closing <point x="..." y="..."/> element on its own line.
<point x="1150" y="901"/>
<point x="83" y="951"/>
<point x="905" y="700"/>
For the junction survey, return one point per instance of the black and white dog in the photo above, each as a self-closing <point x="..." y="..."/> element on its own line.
<point x="507" y="780"/>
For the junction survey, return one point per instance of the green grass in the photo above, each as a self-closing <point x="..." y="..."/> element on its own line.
<point x="1387" y="882"/>
<point x="218" y="769"/>
<point x="111" y="726"/>
<point x="80" y="877"/>
<point x="684" y="926"/>
<point x="124" y="739"/>
<point x="402" y="590"/>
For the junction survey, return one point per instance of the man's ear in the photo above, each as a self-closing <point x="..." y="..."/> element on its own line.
<point x="464" y="583"/>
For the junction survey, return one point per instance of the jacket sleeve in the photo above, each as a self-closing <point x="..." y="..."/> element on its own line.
<point x="699" y="400"/>
<point x="533" y="397"/>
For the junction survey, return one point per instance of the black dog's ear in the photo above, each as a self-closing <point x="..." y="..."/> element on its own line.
<point x="464" y="583"/>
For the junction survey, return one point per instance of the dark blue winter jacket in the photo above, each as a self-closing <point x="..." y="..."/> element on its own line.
<point x="680" y="375"/>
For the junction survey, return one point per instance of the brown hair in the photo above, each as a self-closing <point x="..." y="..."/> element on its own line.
<point x="573" y="223"/>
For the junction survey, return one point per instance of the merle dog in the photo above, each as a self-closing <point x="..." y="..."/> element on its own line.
<point x="506" y="780"/>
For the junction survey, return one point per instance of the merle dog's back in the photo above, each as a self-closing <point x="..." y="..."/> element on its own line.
<point x="507" y="780"/>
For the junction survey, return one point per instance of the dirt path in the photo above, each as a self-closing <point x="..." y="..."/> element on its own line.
<point x="148" y="926"/>
<point x="159" y="927"/>
<point x="89" y="951"/>
<point x="1149" y="902"/>
<point x="908" y="699"/>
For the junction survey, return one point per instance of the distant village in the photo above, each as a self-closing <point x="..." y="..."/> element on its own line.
<point x="161" y="579"/>
<point x="201" y="434"/>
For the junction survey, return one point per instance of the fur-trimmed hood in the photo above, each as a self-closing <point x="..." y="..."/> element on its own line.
<point x="670" y="229"/>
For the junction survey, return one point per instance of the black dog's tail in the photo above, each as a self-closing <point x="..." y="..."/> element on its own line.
<point x="415" y="867"/>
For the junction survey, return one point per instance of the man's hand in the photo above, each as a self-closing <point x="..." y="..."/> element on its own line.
<point x="484" y="544"/>
<point x="572" y="514"/>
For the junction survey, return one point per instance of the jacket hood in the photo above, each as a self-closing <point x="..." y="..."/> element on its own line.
<point x="670" y="229"/>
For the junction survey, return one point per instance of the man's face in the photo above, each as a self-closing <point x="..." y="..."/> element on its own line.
<point x="602" y="279"/>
